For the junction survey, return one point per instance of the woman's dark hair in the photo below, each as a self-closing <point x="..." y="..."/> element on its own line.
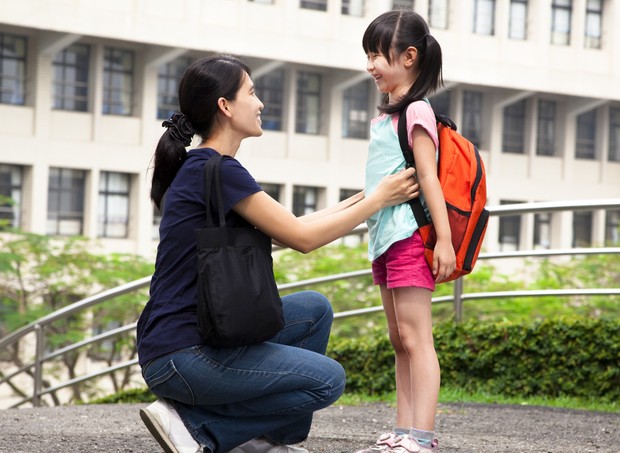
<point x="202" y="84"/>
<point x="391" y="34"/>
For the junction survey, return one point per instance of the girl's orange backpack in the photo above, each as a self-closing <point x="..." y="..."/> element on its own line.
<point x="463" y="181"/>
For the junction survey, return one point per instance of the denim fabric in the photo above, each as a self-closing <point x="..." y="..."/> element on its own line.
<point x="228" y="396"/>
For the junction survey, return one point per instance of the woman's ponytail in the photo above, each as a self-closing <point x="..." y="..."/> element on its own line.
<point x="170" y="155"/>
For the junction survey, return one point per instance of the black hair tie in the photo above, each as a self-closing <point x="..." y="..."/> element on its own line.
<point x="180" y="128"/>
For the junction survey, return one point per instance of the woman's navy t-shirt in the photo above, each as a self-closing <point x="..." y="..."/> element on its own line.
<point x="169" y="320"/>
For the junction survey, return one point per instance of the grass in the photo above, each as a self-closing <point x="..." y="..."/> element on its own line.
<point x="455" y="395"/>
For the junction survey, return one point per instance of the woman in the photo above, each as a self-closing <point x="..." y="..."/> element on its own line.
<point x="256" y="398"/>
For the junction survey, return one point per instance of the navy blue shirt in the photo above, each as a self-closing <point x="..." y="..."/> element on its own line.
<point x="169" y="320"/>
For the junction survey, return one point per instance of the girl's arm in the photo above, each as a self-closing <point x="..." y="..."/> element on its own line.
<point x="444" y="260"/>
<point x="276" y="221"/>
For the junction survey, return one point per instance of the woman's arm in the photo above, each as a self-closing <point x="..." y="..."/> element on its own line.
<point x="344" y="204"/>
<point x="273" y="219"/>
<point x="426" y="164"/>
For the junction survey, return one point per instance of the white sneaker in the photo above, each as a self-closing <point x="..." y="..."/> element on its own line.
<point x="262" y="445"/>
<point x="164" y="423"/>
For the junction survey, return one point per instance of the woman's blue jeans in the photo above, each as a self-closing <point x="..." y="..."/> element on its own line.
<point x="227" y="396"/>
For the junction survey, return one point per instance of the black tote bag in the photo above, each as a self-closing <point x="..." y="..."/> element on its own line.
<point x="238" y="300"/>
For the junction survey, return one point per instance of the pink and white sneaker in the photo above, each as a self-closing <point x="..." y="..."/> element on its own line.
<point x="433" y="449"/>
<point x="384" y="444"/>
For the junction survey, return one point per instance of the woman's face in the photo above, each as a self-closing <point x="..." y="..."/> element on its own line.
<point x="245" y="110"/>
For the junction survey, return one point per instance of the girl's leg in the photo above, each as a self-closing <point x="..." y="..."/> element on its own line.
<point x="229" y="396"/>
<point x="404" y="409"/>
<point x="415" y="330"/>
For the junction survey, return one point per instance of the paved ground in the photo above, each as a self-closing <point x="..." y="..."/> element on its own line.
<point x="465" y="428"/>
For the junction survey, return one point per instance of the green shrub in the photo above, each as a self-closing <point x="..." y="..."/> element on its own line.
<point x="578" y="358"/>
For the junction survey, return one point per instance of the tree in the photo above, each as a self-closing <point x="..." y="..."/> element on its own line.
<point x="40" y="274"/>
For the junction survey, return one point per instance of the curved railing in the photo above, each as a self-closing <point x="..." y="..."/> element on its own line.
<point x="38" y="327"/>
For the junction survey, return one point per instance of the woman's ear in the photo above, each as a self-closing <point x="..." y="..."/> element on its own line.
<point x="411" y="56"/>
<point x="222" y="104"/>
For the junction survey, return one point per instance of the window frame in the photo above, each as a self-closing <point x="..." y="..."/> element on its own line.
<point x="123" y="106"/>
<point x="560" y="8"/>
<point x="57" y="193"/>
<point x="546" y="140"/>
<point x="270" y="90"/>
<point x="517" y="28"/>
<point x="356" y="110"/>
<point x="106" y="196"/>
<point x="585" y="135"/>
<point x="15" y="95"/>
<point x="168" y="78"/>
<point x="62" y="100"/>
<point x="486" y="26"/>
<point x="304" y="116"/>
<point x="593" y="40"/>
<point x="472" y="116"/>
<point x="11" y="191"/>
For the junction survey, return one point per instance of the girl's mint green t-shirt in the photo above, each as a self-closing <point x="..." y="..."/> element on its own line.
<point x="385" y="157"/>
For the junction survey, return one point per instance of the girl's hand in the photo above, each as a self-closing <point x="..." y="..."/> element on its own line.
<point x="444" y="260"/>
<point x="398" y="188"/>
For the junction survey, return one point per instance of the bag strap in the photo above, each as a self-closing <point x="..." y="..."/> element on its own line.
<point x="213" y="189"/>
<point x="403" y="139"/>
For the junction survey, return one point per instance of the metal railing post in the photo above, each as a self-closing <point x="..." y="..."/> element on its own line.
<point x="458" y="300"/>
<point x="38" y="364"/>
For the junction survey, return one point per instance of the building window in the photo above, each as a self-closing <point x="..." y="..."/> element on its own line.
<point x="441" y="103"/>
<point x="71" y="68"/>
<point x="484" y="17"/>
<point x="168" y="78"/>
<point x="113" y="205"/>
<point x="305" y="200"/>
<point x="438" y="13"/>
<point x="542" y="230"/>
<point x="355" y="107"/>
<point x="11" y="182"/>
<point x="273" y="190"/>
<point x="348" y="193"/>
<point x="582" y="228"/>
<point x="561" y="12"/>
<point x="270" y="90"/>
<point x="12" y="69"/>
<point x="514" y="128"/>
<point x="509" y="230"/>
<point x="545" y="132"/>
<point x="65" y="204"/>
<point x="614" y="135"/>
<point x="353" y="8"/>
<point x="612" y="227"/>
<point x="586" y="135"/>
<point x="472" y="117"/>
<point x="594" y="19"/>
<point x="318" y="5"/>
<point x="517" y="28"/>
<point x="402" y="4"/>
<point x="118" y="73"/>
<point x="308" y="103"/>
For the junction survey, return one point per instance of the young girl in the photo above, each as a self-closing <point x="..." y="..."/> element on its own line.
<point x="250" y="399"/>
<point x="405" y="61"/>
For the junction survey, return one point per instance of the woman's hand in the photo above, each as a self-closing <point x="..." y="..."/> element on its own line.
<point x="398" y="188"/>
<point x="444" y="260"/>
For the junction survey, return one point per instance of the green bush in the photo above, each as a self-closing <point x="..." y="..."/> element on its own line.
<point x="575" y="358"/>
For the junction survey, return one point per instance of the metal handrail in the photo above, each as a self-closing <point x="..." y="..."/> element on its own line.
<point x="458" y="297"/>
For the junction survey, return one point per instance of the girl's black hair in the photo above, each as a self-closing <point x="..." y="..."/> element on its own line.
<point x="391" y="34"/>
<point x="202" y="84"/>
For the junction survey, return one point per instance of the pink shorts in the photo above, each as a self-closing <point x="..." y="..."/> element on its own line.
<point x="403" y="264"/>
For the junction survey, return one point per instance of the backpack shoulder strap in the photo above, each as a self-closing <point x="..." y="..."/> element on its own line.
<point x="403" y="139"/>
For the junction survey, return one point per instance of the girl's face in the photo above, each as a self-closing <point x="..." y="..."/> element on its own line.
<point x="245" y="110"/>
<point x="396" y="78"/>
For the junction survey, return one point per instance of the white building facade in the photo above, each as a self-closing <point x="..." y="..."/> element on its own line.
<point x="85" y="85"/>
